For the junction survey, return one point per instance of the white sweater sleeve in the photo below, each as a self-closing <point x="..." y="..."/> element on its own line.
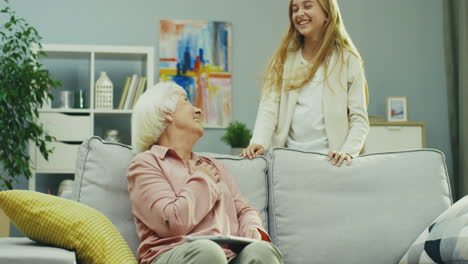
<point x="357" y="107"/>
<point x="267" y="119"/>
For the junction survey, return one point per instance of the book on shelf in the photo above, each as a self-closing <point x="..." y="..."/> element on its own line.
<point x="131" y="91"/>
<point x="124" y="93"/>
<point x="139" y="91"/>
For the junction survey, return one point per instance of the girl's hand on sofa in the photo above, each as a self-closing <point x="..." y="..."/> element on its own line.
<point x="252" y="151"/>
<point x="337" y="158"/>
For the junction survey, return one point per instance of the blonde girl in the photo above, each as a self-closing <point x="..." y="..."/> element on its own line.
<point x="315" y="93"/>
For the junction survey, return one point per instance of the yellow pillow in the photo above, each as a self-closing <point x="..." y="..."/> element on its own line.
<point x="67" y="224"/>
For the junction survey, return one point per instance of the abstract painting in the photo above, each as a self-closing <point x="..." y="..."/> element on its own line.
<point x="197" y="56"/>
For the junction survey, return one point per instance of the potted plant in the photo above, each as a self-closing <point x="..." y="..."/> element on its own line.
<point x="24" y="87"/>
<point x="237" y="136"/>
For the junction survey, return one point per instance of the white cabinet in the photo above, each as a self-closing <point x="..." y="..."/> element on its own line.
<point x="62" y="160"/>
<point x="393" y="136"/>
<point x="78" y="67"/>
<point x="67" y="127"/>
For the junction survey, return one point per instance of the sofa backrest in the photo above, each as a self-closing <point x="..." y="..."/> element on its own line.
<point x="251" y="178"/>
<point x="101" y="182"/>
<point x="369" y="212"/>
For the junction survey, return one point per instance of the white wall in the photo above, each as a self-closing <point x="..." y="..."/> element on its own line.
<point x="401" y="42"/>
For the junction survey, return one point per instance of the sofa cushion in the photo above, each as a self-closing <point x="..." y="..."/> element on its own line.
<point x="445" y="240"/>
<point x="369" y="212"/>
<point x="62" y="223"/>
<point x="14" y="249"/>
<point x="101" y="182"/>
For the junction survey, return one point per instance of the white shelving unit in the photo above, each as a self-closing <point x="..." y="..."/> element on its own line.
<point x="72" y="126"/>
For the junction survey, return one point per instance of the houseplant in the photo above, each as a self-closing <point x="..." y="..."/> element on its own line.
<point x="237" y="136"/>
<point x="24" y="87"/>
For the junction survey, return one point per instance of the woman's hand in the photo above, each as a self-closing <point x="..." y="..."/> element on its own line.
<point x="337" y="158"/>
<point x="252" y="151"/>
<point x="206" y="169"/>
<point x="253" y="233"/>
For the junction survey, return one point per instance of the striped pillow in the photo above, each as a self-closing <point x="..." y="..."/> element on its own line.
<point x="445" y="240"/>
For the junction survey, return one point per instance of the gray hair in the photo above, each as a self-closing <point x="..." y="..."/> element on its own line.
<point x="148" y="122"/>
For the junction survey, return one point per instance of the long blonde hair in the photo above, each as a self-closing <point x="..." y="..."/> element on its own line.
<point x="335" y="38"/>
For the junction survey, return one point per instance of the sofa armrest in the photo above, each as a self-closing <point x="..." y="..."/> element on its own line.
<point x="16" y="250"/>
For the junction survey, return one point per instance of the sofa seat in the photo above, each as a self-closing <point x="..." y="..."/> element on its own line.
<point x="13" y="251"/>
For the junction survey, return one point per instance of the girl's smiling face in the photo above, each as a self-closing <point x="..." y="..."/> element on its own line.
<point x="308" y="17"/>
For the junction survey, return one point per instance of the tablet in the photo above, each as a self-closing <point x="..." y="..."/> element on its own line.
<point x="224" y="240"/>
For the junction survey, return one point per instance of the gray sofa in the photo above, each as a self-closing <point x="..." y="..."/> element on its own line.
<point x="367" y="213"/>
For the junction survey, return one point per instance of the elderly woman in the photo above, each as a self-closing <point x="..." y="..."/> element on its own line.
<point x="175" y="193"/>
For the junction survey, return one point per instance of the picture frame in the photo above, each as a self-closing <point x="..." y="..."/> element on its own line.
<point x="397" y="108"/>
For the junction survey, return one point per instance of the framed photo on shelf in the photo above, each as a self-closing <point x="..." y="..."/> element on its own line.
<point x="397" y="108"/>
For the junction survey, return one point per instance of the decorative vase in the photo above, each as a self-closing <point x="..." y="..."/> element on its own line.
<point x="112" y="135"/>
<point x="65" y="186"/>
<point x="236" y="151"/>
<point x="104" y="89"/>
<point x="66" y="99"/>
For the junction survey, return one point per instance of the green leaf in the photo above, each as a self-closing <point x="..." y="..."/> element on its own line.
<point x="8" y="184"/>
